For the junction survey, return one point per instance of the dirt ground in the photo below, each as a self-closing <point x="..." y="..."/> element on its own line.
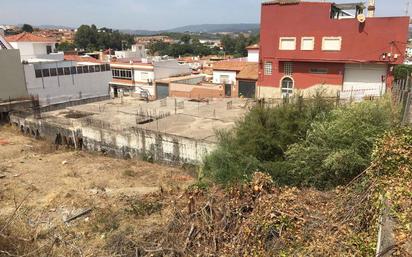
<point x="50" y="186"/>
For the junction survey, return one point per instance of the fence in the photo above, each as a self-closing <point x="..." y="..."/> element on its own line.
<point x="402" y="93"/>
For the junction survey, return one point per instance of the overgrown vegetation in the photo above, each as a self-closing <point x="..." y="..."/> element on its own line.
<point x="302" y="143"/>
<point x="402" y="71"/>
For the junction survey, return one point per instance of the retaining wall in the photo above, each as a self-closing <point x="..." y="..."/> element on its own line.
<point x="133" y="143"/>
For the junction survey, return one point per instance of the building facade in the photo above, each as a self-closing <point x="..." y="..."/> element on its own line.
<point x="310" y="46"/>
<point x="138" y="77"/>
<point x="56" y="79"/>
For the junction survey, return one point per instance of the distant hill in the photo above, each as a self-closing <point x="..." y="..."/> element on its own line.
<point x="214" y="28"/>
<point x="202" y="28"/>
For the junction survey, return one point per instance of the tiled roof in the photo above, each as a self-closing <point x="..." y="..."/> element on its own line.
<point x="28" y="37"/>
<point x="255" y="46"/>
<point x="230" y="65"/>
<point x="77" y="58"/>
<point x="246" y="70"/>
<point x="249" y="72"/>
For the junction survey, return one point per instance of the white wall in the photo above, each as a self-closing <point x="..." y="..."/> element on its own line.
<point x="217" y="74"/>
<point x="59" y="89"/>
<point x="30" y="50"/>
<point x="253" y="55"/>
<point x="170" y="68"/>
<point x="139" y="75"/>
<point x="11" y="75"/>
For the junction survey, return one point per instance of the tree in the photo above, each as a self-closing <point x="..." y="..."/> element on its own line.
<point x="27" y="28"/>
<point x="65" y="46"/>
<point x="90" y="38"/>
<point x="185" y="39"/>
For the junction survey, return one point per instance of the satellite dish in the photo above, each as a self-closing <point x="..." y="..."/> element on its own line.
<point x="361" y="18"/>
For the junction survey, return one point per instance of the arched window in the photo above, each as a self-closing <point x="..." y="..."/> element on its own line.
<point x="287" y="86"/>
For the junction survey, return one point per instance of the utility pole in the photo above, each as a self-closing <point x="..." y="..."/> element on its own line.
<point x="408" y="3"/>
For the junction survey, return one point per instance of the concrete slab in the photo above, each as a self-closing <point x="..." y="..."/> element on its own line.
<point x="176" y="116"/>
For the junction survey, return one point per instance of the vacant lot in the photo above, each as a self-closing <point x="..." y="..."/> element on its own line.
<point x="48" y="186"/>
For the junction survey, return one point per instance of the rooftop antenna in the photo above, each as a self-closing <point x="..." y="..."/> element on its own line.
<point x="408" y="3"/>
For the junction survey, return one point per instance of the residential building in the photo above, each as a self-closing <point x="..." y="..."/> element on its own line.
<point x="238" y="76"/>
<point x="55" y="78"/>
<point x="306" y="46"/>
<point x="138" y="77"/>
<point x="137" y="53"/>
<point x="34" y="47"/>
<point x="12" y="85"/>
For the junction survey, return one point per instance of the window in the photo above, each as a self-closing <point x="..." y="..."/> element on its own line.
<point x="73" y="70"/>
<point x="103" y="67"/>
<point x="121" y="74"/>
<point x="331" y="43"/>
<point x="288" y="68"/>
<point x="318" y="70"/>
<point x="79" y="70"/>
<point x="97" y="68"/>
<point x="85" y="69"/>
<point x="53" y="72"/>
<point x="91" y="69"/>
<point x="48" y="49"/>
<point x="38" y="73"/>
<point x="307" y="44"/>
<point x="224" y="79"/>
<point x="46" y="73"/>
<point x="267" y="68"/>
<point x="60" y="71"/>
<point x="287" y="43"/>
<point x="107" y="66"/>
<point x="66" y="70"/>
<point x="287" y="86"/>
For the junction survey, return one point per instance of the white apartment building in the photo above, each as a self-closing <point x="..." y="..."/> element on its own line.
<point x="56" y="80"/>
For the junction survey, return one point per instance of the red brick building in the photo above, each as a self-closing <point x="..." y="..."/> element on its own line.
<point x="307" y="45"/>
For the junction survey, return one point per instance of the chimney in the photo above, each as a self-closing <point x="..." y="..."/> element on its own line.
<point x="371" y="8"/>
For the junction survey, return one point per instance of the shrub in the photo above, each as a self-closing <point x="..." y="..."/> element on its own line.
<point x="262" y="136"/>
<point x="402" y="71"/>
<point x="337" y="148"/>
<point x="301" y="144"/>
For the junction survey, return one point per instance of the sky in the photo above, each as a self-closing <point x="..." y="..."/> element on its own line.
<point x="147" y="14"/>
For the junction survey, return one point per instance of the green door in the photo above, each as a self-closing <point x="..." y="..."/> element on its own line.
<point x="247" y="89"/>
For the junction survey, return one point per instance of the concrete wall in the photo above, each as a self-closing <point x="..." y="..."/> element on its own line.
<point x="30" y="50"/>
<point x="196" y="91"/>
<point x="59" y="89"/>
<point x="12" y="83"/>
<point x="170" y="68"/>
<point x="134" y="144"/>
<point x="217" y="77"/>
<point x="253" y="55"/>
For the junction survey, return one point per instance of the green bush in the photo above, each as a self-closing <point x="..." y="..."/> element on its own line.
<point x="402" y="71"/>
<point x="262" y="136"/>
<point x="338" y="147"/>
<point x="301" y="144"/>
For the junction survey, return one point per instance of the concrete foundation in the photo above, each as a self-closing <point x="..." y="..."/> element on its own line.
<point x="172" y="131"/>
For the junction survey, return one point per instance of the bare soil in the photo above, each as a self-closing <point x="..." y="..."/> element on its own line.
<point x="48" y="185"/>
